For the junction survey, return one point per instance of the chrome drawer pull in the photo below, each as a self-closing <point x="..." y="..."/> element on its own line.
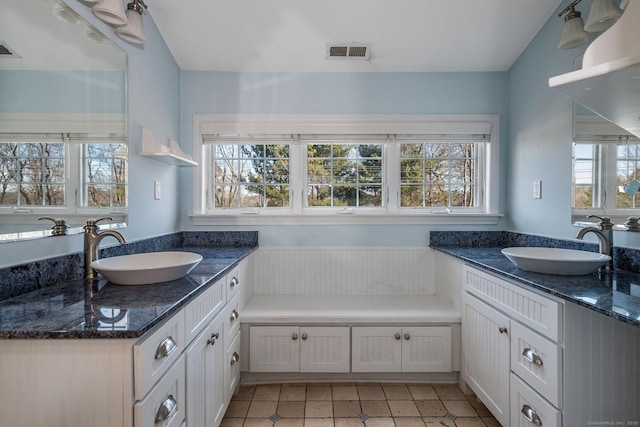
<point x="233" y="282"/>
<point x="166" y="347"/>
<point x="235" y="358"/>
<point x="531" y="415"/>
<point x="234" y="316"/>
<point x="166" y="410"/>
<point x="532" y="357"/>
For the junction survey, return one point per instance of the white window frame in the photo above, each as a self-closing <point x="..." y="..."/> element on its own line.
<point x="592" y="129"/>
<point x="373" y="124"/>
<point x="64" y="123"/>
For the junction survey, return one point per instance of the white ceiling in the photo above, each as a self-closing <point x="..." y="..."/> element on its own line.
<point x="405" y="35"/>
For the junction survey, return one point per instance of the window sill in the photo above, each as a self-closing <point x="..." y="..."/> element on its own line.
<point x="351" y="219"/>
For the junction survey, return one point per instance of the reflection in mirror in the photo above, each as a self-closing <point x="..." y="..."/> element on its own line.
<point x="606" y="172"/>
<point x="63" y="134"/>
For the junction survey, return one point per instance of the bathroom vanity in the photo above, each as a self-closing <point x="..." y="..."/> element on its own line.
<point x="547" y="350"/>
<point x="99" y="354"/>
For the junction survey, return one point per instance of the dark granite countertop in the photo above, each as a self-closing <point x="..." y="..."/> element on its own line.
<point x="99" y="309"/>
<point x="614" y="294"/>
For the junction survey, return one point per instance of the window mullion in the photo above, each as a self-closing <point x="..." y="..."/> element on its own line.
<point x="391" y="178"/>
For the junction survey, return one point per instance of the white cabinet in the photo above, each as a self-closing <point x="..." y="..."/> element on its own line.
<point x="512" y="355"/>
<point x="212" y="368"/>
<point x="299" y="349"/>
<point x="401" y="349"/>
<point x="205" y="372"/>
<point x="485" y="366"/>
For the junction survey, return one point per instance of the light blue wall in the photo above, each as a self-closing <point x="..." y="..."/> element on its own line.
<point x="336" y="93"/>
<point x="540" y="133"/>
<point x="29" y="91"/>
<point x="154" y="102"/>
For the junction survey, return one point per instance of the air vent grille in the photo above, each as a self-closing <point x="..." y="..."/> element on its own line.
<point x="6" y="51"/>
<point x="348" y="51"/>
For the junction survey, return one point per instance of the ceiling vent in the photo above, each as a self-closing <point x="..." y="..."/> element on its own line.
<point x="6" y="51"/>
<point x="348" y="51"/>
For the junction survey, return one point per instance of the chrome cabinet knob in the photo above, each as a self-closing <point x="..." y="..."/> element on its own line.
<point x="407" y="337"/>
<point x="213" y="338"/>
<point x="294" y="337"/>
<point x="234" y="316"/>
<point x="397" y="336"/>
<point x="304" y="337"/>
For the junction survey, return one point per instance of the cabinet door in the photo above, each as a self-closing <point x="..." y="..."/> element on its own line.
<point x="274" y="349"/>
<point x="376" y="349"/>
<point x="426" y="349"/>
<point x="485" y="353"/>
<point x="205" y="376"/>
<point x="324" y="349"/>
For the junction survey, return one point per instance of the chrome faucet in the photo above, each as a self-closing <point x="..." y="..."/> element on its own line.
<point x="605" y="237"/>
<point x="92" y="241"/>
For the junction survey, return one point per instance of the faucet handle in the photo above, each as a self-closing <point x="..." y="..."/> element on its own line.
<point x="605" y="222"/>
<point x="92" y="223"/>
<point x="59" y="225"/>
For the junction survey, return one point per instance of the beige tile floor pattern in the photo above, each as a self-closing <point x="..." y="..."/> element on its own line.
<point x="355" y="405"/>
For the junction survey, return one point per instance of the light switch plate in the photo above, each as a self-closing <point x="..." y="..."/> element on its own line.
<point x="537" y="189"/>
<point x="156" y="190"/>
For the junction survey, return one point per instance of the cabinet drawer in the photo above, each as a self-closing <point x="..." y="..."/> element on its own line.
<point x="231" y="320"/>
<point x="537" y="361"/>
<point x="529" y="409"/>
<point x="232" y="368"/>
<point x="153" y="356"/>
<point x="540" y="313"/>
<point x="234" y="281"/>
<point x="165" y="404"/>
<point x="200" y="311"/>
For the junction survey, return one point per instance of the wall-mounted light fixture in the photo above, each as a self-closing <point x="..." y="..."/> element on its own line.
<point x="110" y="11"/>
<point x="133" y="31"/>
<point x="129" y="23"/>
<point x="602" y="14"/>
<point x="573" y="33"/>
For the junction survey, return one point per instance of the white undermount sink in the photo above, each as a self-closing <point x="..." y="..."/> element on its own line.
<point x="564" y="262"/>
<point x="147" y="268"/>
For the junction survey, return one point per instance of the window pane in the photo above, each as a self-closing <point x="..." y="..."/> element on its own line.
<point x="32" y="174"/>
<point x="104" y="175"/>
<point x="438" y="175"/>
<point x="251" y="175"/>
<point x="347" y="173"/>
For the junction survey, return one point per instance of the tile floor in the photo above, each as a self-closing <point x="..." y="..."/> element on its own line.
<point x="355" y="405"/>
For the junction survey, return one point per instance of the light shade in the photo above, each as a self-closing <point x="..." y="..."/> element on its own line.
<point x="573" y="33"/>
<point x="133" y="32"/>
<point x="110" y="11"/>
<point x="602" y="15"/>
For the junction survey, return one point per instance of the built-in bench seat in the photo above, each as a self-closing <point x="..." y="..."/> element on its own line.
<point x="348" y="309"/>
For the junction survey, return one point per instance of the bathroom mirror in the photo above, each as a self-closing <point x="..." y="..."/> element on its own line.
<point x="63" y="131"/>
<point x="605" y="171"/>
